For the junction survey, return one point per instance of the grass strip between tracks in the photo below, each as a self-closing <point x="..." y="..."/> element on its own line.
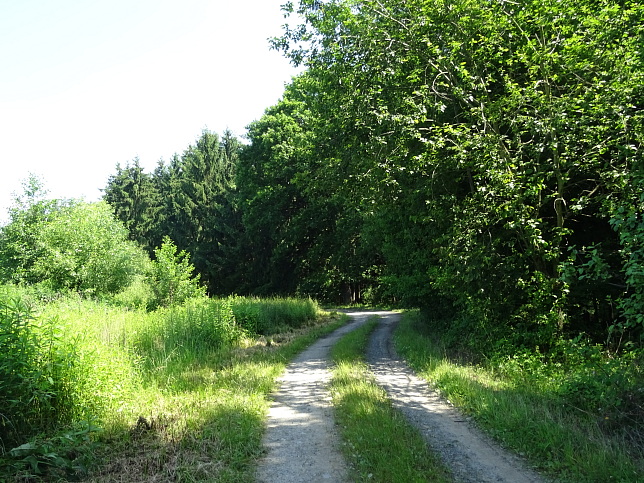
<point x="379" y="443"/>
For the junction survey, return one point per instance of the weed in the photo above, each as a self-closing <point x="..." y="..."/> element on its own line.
<point x="65" y="456"/>
<point x="272" y="315"/>
<point x="180" y="393"/>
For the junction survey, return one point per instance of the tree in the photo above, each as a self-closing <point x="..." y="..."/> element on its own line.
<point x="270" y="196"/>
<point x="188" y="199"/>
<point x="198" y="202"/>
<point x="20" y="247"/>
<point x="85" y="248"/>
<point x="510" y="127"/>
<point x="172" y="276"/>
<point x="136" y="201"/>
<point x="301" y="232"/>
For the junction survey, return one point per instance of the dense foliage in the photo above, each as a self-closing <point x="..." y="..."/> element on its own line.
<point x="497" y="149"/>
<point x="482" y="156"/>
<point x="73" y="246"/>
<point x="72" y="367"/>
<point x="188" y="200"/>
<point x="479" y="160"/>
<point x="68" y="245"/>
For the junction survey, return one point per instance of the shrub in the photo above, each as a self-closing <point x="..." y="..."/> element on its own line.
<point x="20" y="382"/>
<point x="609" y="386"/>
<point x="173" y="282"/>
<point x="55" y="369"/>
<point x="69" y="246"/>
<point x="37" y="390"/>
<point x="87" y="249"/>
<point x="137" y="295"/>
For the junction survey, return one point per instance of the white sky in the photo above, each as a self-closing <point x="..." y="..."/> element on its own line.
<point x="87" y="84"/>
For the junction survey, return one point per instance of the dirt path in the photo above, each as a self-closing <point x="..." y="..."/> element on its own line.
<point x="471" y="455"/>
<point x="302" y="442"/>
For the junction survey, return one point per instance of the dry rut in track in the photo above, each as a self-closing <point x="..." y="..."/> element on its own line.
<point x="301" y="439"/>
<point x="302" y="442"/>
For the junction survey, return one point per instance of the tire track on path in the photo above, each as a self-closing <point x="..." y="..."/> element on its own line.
<point x="301" y="439"/>
<point x="471" y="456"/>
<point x="302" y="442"/>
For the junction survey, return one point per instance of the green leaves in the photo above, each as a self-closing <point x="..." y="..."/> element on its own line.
<point x="457" y="150"/>
<point x="37" y="392"/>
<point x="172" y="276"/>
<point x="69" y="245"/>
<point x="135" y="200"/>
<point x="512" y="127"/>
<point x="628" y="222"/>
<point x="189" y="199"/>
<point x="84" y="248"/>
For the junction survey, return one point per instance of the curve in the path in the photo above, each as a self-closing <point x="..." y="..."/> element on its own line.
<point x="470" y="455"/>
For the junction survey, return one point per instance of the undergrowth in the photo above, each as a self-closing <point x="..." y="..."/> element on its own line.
<point x="559" y="410"/>
<point x="102" y="392"/>
<point x="267" y="316"/>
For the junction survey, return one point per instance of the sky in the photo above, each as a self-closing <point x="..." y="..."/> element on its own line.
<point x="87" y="84"/>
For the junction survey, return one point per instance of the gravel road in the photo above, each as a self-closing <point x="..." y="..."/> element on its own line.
<point x="471" y="456"/>
<point x="303" y="445"/>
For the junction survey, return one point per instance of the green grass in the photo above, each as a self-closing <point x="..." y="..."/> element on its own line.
<point x="272" y="315"/>
<point x="180" y="394"/>
<point x="522" y="413"/>
<point x="380" y="444"/>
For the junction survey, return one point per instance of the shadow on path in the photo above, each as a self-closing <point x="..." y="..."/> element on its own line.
<point x="301" y="441"/>
<point x="472" y="456"/>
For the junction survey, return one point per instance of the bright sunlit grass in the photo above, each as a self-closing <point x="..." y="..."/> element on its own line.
<point x="179" y="394"/>
<point x="381" y="445"/>
<point x="523" y="414"/>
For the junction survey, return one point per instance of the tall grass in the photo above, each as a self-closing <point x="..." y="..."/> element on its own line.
<point x="26" y="398"/>
<point x="525" y="413"/>
<point x="177" y="391"/>
<point x="185" y="334"/>
<point x="52" y="378"/>
<point x="271" y="315"/>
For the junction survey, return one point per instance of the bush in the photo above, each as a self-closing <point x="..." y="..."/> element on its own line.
<point x="137" y="295"/>
<point x="20" y="381"/>
<point x="37" y="391"/>
<point x="69" y="246"/>
<point x="173" y="282"/>
<point x="55" y="369"/>
<point x="87" y="249"/>
<point x="606" y="385"/>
